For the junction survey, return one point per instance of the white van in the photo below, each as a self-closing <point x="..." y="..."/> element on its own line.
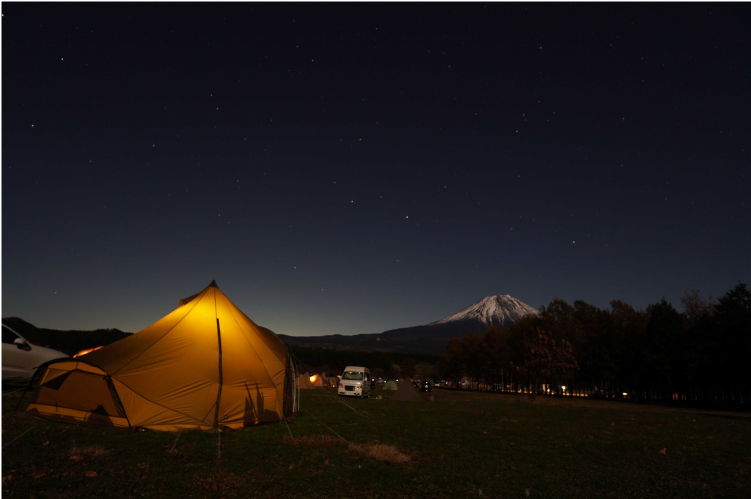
<point x="355" y="382"/>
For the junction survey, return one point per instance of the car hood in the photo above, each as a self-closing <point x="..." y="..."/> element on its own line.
<point x="46" y="354"/>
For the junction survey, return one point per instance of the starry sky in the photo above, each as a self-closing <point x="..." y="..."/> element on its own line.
<point x="353" y="168"/>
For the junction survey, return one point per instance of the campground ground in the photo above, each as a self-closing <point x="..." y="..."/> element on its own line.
<point x="460" y="445"/>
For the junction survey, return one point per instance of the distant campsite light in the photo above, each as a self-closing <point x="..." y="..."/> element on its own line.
<point x="313" y="378"/>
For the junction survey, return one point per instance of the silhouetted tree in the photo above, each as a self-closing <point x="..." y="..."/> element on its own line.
<point x="734" y="330"/>
<point x="450" y="365"/>
<point x="424" y="370"/>
<point x="407" y="367"/>
<point x="496" y="357"/>
<point x="657" y="354"/>
<point x="544" y="359"/>
<point x="657" y="348"/>
<point x="696" y="307"/>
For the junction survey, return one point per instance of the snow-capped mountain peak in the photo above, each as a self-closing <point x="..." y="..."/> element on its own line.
<point x="492" y="310"/>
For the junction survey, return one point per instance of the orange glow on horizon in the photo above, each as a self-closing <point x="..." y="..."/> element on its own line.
<point x="84" y="352"/>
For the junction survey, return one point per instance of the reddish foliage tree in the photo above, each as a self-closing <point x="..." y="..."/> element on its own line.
<point x="543" y="358"/>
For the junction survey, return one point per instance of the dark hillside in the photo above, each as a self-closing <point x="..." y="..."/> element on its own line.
<point x="429" y="339"/>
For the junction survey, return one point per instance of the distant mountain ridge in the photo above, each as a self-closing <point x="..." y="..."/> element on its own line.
<point x="69" y="342"/>
<point x="432" y="338"/>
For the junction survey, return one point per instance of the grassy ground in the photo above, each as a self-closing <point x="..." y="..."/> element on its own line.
<point x="460" y="445"/>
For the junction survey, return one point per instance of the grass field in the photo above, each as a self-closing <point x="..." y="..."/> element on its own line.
<point x="460" y="445"/>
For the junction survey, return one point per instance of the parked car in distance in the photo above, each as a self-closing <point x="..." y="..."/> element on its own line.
<point x="21" y="359"/>
<point x="425" y="386"/>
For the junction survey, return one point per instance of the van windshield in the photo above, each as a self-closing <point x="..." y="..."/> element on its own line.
<point x="352" y="375"/>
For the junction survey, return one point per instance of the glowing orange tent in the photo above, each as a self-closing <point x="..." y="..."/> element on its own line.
<point x="309" y="381"/>
<point x="204" y="366"/>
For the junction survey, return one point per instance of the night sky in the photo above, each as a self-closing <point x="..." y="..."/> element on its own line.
<point x="352" y="168"/>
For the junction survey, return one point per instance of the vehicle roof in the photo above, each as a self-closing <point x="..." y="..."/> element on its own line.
<point x="356" y="368"/>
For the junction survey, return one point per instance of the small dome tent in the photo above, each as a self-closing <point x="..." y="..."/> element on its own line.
<point x="391" y="385"/>
<point x="308" y="381"/>
<point x="204" y="366"/>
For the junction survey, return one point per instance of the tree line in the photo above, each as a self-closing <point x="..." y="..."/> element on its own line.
<point x="698" y="356"/>
<point x="381" y="364"/>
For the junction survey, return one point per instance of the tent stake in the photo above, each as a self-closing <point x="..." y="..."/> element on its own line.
<point x="173" y="445"/>
<point x="290" y="431"/>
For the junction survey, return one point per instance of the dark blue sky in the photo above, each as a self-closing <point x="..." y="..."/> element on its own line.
<point x="351" y="168"/>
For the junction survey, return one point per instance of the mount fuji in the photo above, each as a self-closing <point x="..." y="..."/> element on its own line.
<point x="495" y="310"/>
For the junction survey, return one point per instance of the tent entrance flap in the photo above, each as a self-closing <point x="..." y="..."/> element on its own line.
<point x="70" y="394"/>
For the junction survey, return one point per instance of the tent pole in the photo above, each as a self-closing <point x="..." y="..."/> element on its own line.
<point x="28" y="387"/>
<point x="23" y="396"/>
<point x="219" y="393"/>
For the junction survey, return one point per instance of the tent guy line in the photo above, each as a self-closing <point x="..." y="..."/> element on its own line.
<point x="22" y="434"/>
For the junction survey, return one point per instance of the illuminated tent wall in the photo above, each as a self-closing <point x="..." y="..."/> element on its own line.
<point x="205" y="365"/>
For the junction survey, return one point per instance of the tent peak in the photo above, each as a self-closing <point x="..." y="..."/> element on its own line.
<point x="191" y="297"/>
